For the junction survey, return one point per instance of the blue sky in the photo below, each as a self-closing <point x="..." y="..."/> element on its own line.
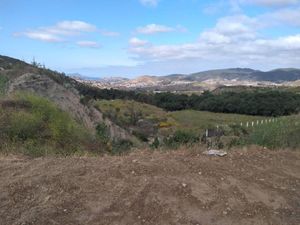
<point x="103" y="38"/>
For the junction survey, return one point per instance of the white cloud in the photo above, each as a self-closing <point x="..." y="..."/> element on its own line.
<point x="62" y="30"/>
<point x="109" y="33"/>
<point x="71" y="27"/>
<point x="271" y="3"/>
<point x="135" y="42"/>
<point x="42" y="36"/>
<point x="287" y="16"/>
<point x="154" y="28"/>
<point x="149" y="2"/>
<point x="234" y="40"/>
<point x="88" y="44"/>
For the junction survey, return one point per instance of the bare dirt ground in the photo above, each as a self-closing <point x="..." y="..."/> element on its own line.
<point x="245" y="187"/>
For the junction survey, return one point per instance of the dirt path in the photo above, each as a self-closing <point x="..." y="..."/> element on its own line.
<point x="246" y="187"/>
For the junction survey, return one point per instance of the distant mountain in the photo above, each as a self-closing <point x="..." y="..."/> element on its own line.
<point x="206" y="80"/>
<point x="278" y="75"/>
<point x="242" y="74"/>
<point x="229" y="74"/>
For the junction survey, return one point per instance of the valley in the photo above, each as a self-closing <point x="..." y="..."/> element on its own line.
<point x="73" y="153"/>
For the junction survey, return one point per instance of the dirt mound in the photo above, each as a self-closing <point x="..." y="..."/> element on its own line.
<point x="183" y="187"/>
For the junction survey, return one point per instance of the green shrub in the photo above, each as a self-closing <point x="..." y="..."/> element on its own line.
<point x="120" y="147"/>
<point x="103" y="132"/>
<point x="3" y="83"/>
<point x="181" y="137"/>
<point x="155" y="143"/>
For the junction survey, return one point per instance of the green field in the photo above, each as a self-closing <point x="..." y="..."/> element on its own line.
<point x="121" y="112"/>
<point x="200" y="120"/>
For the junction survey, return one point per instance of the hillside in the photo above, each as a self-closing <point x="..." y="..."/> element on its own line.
<point x="33" y="81"/>
<point x="119" y="119"/>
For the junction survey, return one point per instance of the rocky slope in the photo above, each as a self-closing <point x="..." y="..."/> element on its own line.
<point x="57" y="88"/>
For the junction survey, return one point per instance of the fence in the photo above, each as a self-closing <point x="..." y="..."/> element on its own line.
<point x="212" y="137"/>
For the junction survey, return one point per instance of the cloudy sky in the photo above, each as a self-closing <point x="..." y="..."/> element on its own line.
<point x="155" y="37"/>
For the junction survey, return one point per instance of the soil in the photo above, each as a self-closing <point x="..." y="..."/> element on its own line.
<point x="250" y="186"/>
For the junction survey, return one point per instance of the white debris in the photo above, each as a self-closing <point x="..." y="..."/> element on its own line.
<point x="215" y="152"/>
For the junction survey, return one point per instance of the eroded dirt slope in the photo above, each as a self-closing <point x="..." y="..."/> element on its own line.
<point x="246" y="187"/>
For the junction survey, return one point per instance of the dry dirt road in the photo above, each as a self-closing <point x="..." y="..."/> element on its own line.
<point x="245" y="187"/>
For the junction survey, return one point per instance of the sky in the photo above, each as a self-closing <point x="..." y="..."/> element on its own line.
<point x="129" y="38"/>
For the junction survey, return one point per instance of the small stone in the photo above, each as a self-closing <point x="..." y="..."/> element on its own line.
<point x="200" y="173"/>
<point x="134" y="161"/>
<point x="65" y="210"/>
<point x="184" y="185"/>
<point x="225" y="212"/>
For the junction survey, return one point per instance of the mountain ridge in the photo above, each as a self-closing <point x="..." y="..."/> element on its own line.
<point x="221" y="73"/>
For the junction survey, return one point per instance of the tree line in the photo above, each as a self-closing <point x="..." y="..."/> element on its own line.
<point x="266" y="103"/>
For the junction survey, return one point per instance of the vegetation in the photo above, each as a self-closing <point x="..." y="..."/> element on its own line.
<point x="284" y="133"/>
<point x="128" y="112"/>
<point x="181" y="137"/>
<point x="34" y="126"/>
<point x="201" y="120"/>
<point x="265" y="103"/>
<point x="3" y="83"/>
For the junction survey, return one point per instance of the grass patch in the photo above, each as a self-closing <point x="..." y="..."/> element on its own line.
<point x="282" y="134"/>
<point x="201" y="120"/>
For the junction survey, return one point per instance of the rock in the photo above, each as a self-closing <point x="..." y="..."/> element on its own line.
<point x="184" y="185"/>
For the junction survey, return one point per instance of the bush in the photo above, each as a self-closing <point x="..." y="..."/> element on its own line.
<point x="103" y="132"/>
<point x="181" y="137"/>
<point x="3" y="83"/>
<point x="120" y="147"/>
